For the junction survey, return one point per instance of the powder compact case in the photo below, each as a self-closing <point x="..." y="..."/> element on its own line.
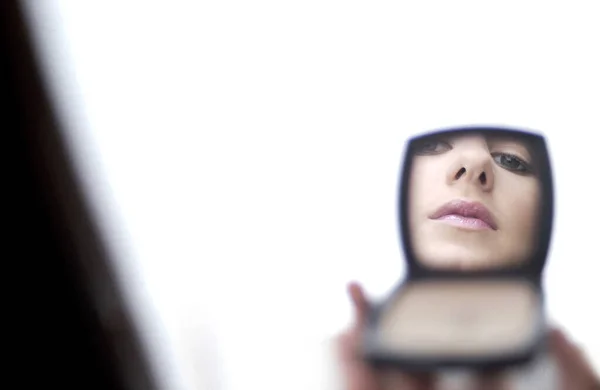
<point x="475" y="210"/>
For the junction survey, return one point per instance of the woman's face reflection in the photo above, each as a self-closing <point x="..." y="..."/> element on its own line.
<point x="473" y="202"/>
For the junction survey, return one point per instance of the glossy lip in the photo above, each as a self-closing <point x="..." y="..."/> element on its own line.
<point x="471" y="215"/>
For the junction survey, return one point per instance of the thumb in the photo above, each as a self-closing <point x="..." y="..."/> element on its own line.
<point x="574" y="366"/>
<point x="360" y="303"/>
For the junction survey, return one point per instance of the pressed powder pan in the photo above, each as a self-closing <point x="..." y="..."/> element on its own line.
<point x="449" y="318"/>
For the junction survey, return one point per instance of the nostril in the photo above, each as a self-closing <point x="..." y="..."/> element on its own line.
<point x="459" y="173"/>
<point x="483" y="178"/>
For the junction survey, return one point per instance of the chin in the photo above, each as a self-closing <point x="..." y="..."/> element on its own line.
<point x="461" y="260"/>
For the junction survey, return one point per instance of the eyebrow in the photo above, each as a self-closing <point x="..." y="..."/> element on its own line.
<point x="510" y="141"/>
<point x="520" y="139"/>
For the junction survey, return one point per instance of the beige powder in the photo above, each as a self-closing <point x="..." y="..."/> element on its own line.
<point x="464" y="318"/>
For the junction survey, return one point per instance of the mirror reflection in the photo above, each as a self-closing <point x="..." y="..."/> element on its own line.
<point x="474" y="199"/>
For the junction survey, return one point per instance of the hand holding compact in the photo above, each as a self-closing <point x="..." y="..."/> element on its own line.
<point x="358" y="374"/>
<point x="475" y="215"/>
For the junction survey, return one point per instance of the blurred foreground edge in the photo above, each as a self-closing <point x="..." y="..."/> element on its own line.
<point x="58" y="278"/>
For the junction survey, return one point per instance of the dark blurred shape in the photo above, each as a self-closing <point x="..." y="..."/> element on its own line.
<point x="67" y="319"/>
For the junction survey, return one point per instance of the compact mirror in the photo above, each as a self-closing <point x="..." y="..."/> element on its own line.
<point x="475" y="218"/>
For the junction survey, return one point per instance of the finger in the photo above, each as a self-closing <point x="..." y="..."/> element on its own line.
<point x="348" y="348"/>
<point x="424" y="381"/>
<point x="570" y="358"/>
<point x="392" y="379"/>
<point x="356" y="373"/>
<point x="345" y="347"/>
<point x="360" y="303"/>
<point x="493" y="380"/>
<point x="566" y="352"/>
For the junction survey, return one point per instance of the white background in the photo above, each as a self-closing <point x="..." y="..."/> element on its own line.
<point x="243" y="157"/>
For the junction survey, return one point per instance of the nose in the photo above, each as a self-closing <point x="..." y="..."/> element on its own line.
<point x="473" y="165"/>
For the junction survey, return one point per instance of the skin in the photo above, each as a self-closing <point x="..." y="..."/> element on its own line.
<point x="500" y="174"/>
<point x="575" y="372"/>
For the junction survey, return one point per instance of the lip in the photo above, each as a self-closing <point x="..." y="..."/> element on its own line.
<point x="465" y="214"/>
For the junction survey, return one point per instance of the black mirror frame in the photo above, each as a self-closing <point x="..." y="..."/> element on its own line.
<point x="533" y="270"/>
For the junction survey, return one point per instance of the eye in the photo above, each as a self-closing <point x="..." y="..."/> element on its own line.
<point x="431" y="147"/>
<point x="512" y="162"/>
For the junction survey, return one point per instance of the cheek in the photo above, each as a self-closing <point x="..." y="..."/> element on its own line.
<point x="520" y="202"/>
<point x="425" y="185"/>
